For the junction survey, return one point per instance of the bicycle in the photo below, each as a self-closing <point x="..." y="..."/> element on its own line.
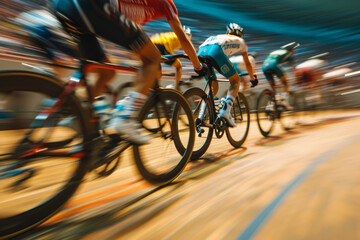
<point x="208" y="121"/>
<point x="269" y="107"/>
<point x="61" y="136"/>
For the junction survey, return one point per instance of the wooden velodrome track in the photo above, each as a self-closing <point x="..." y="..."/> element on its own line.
<point x="295" y="185"/>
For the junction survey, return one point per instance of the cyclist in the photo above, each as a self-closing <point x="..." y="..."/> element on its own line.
<point x="167" y="43"/>
<point x="309" y="72"/>
<point x="217" y="49"/>
<point x="117" y="21"/>
<point x="272" y="66"/>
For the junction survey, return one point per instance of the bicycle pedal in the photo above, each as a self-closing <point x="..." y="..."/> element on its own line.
<point x="200" y="131"/>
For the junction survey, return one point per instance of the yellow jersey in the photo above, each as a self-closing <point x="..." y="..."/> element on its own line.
<point x="169" y="40"/>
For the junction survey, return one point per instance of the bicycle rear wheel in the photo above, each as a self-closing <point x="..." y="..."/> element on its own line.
<point x="266" y="112"/>
<point x="197" y="97"/>
<point x="160" y="162"/>
<point x="241" y="115"/>
<point x="41" y="162"/>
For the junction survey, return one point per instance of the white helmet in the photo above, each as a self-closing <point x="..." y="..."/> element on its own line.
<point x="235" y="29"/>
<point x="290" y="46"/>
<point x="187" y="31"/>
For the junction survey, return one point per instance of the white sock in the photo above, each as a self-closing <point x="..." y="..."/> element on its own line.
<point x="229" y="103"/>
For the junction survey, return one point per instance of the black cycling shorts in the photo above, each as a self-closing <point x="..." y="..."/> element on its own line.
<point x="88" y="19"/>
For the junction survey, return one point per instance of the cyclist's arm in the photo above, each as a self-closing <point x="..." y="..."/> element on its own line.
<point x="185" y="41"/>
<point x="248" y="65"/>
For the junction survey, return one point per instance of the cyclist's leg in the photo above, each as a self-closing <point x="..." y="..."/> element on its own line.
<point x="178" y="66"/>
<point x="231" y="95"/>
<point x="234" y="85"/>
<point x="150" y="57"/>
<point x="280" y="73"/>
<point x="269" y="74"/>
<point x="209" y="52"/>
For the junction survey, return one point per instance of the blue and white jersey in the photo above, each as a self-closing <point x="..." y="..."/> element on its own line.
<point x="230" y="44"/>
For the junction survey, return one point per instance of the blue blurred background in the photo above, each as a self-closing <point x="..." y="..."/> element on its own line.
<point x="320" y="26"/>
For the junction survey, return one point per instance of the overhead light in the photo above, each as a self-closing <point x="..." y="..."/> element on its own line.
<point x="346" y="65"/>
<point x="319" y="55"/>
<point x="352" y="74"/>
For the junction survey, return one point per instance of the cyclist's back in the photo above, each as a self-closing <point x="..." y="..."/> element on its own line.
<point x="169" y="40"/>
<point x="230" y="44"/>
<point x="279" y="56"/>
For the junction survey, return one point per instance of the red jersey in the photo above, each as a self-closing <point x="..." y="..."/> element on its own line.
<point x="143" y="11"/>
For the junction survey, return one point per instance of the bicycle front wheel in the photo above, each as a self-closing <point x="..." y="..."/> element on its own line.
<point x="241" y="115"/>
<point x="266" y="112"/>
<point x="161" y="161"/>
<point x="41" y="162"/>
<point x="204" y="118"/>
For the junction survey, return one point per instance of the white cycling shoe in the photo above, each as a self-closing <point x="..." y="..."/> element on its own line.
<point x="128" y="127"/>
<point x="131" y="130"/>
<point x="227" y="116"/>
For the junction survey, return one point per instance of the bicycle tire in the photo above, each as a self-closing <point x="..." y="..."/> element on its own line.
<point x="241" y="115"/>
<point x="192" y="95"/>
<point x="12" y="224"/>
<point x="265" y="117"/>
<point x="167" y="103"/>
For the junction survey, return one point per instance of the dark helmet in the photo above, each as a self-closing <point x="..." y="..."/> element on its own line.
<point x="235" y="29"/>
<point x="290" y="46"/>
